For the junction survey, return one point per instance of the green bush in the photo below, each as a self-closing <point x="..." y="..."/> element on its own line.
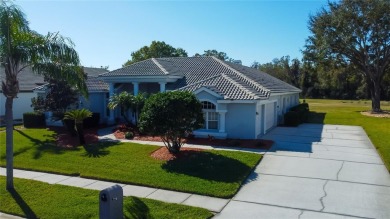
<point x="34" y="120"/>
<point x="302" y="110"/>
<point x="291" y="118"/>
<point x="89" y="122"/>
<point x="129" y="135"/>
<point x="69" y="125"/>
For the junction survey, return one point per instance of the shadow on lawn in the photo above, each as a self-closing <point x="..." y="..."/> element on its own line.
<point x="316" y="117"/>
<point x="136" y="208"/>
<point x="208" y="166"/>
<point x="98" y="149"/>
<point x="41" y="147"/>
<point x="29" y="213"/>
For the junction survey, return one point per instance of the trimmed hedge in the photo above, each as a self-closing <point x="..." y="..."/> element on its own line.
<point x="291" y="118"/>
<point x="34" y="120"/>
<point x="299" y="112"/>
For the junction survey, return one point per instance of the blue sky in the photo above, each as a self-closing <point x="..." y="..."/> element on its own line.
<point x="106" y="32"/>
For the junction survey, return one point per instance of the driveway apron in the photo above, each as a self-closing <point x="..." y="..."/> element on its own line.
<point x="315" y="171"/>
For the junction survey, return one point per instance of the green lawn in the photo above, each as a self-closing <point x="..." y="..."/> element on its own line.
<point x="345" y="112"/>
<point x="213" y="173"/>
<point x="32" y="199"/>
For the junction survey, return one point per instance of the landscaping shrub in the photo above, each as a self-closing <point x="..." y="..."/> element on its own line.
<point x="34" y="120"/>
<point x="129" y="135"/>
<point x="89" y="122"/>
<point x="92" y="122"/>
<point x="291" y="118"/>
<point x="302" y="110"/>
<point x="69" y="125"/>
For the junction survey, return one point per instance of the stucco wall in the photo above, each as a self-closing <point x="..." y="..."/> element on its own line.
<point x="21" y="105"/>
<point x="240" y="120"/>
<point x="96" y="103"/>
<point x="205" y="96"/>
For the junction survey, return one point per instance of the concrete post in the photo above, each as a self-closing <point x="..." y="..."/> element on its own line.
<point x="136" y="88"/>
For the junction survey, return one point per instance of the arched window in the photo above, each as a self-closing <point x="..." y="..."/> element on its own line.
<point x="211" y="117"/>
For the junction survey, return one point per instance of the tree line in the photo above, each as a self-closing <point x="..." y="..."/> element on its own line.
<point x="347" y="55"/>
<point x="330" y="80"/>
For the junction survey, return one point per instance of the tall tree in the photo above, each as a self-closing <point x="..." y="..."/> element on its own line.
<point x="284" y="68"/>
<point x="356" y="32"/>
<point x="20" y="47"/>
<point x="60" y="96"/>
<point x="157" y="49"/>
<point x="220" y="55"/>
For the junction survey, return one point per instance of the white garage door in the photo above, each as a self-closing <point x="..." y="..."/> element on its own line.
<point x="270" y="116"/>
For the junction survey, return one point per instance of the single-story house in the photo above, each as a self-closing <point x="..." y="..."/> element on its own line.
<point x="238" y="101"/>
<point x="33" y="85"/>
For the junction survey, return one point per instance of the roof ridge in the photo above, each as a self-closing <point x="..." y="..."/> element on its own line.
<point x="240" y="86"/>
<point x="198" y="82"/>
<point x="247" y="80"/>
<point x="160" y="66"/>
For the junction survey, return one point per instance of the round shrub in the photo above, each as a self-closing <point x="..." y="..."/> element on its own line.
<point x="129" y="135"/>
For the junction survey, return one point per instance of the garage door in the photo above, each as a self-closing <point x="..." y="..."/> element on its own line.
<point x="270" y="116"/>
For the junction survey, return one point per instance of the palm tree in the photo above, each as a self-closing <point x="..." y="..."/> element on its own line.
<point x="123" y="100"/>
<point x="138" y="104"/>
<point x="78" y="116"/>
<point x="20" y="48"/>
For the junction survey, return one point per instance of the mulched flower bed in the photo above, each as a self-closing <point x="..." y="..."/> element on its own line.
<point x="65" y="140"/>
<point x="163" y="153"/>
<point x="119" y="133"/>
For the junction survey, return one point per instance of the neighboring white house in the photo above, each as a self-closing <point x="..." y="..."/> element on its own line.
<point x="238" y="101"/>
<point x="31" y="85"/>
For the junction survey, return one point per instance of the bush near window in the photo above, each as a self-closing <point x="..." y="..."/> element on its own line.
<point x="34" y="120"/>
<point x="171" y="115"/>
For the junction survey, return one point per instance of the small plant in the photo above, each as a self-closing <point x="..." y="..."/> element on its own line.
<point x="129" y="135"/>
<point x="78" y="116"/>
<point x="210" y="137"/>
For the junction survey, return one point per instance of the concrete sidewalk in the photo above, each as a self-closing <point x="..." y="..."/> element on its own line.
<point x="315" y="171"/>
<point x="210" y="203"/>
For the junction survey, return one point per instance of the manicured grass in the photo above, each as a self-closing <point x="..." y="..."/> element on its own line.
<point x="213" y="173"/>
<point x="2" y="128"/>
<point x="32" y="199"/>
<point x="346" y="112"/>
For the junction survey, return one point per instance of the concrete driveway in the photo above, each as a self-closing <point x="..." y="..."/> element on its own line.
<point x="315" y="171"/>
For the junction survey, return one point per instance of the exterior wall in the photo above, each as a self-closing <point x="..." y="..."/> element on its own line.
<point x="240" y="120"/>
<point x="21" y="105"/>
<point x="149" y="88"/>
<point x="259" y="119"/>
<point x="205" y="96"/>
<point x="96" y="103"/>
<point x="284" y="103"/>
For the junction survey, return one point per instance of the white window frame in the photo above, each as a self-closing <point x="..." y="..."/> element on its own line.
<point x="206" y="114"/>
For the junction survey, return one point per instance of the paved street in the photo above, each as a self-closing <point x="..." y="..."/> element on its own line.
<point x="315" y="171"/>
